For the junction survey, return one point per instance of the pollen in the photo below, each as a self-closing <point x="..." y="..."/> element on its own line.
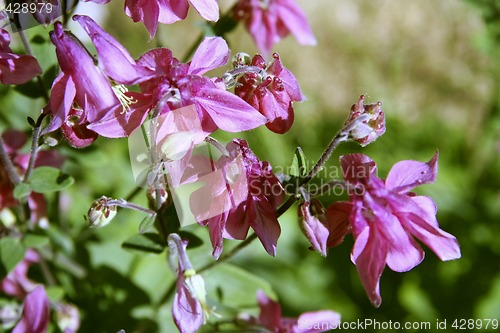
<point x="120" y="92"/>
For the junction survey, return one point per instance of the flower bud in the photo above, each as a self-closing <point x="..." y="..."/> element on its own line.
<point x="366" y="122"/>
<point x="100" y="213"/>
<point x="314" y="225"/>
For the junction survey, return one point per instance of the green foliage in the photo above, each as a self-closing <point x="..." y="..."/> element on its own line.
<point x="48" y="179"/>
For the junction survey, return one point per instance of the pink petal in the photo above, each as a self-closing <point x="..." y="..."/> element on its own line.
<point x="406" y="175"/>
<point x="61" y="99"/>
<point x="35" y="317"/>
<point x="228" y="111"/>
<point x="277" y="107"/>
<point x="357" y="167"/>
<point x="307" y="321"/>
<point x="443" y="244"/>
<point x="18" y="69"/>
<point x="119" y="123"/>
<point x="115" y="59"/>
<point x="208" y="9"/>
<point x="262" y="218"/>
<point x="270" y="311"/>
<point x="370" y="264"/>
<point x="213" y="52"/>
<point x="338" y="217"/>
<point x="295" y="20"/>
<point x="316" y="232"/>
<point x="170" y="13"/>
<point x="186" y="310"/>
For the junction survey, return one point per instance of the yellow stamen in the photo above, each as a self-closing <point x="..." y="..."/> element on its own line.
<point x="120" y="92"/>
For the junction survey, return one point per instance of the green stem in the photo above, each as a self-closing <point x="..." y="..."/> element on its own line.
<point x="7" y="163"/>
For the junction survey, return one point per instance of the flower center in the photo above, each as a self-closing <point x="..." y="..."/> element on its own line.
<point x="120" y="91"/>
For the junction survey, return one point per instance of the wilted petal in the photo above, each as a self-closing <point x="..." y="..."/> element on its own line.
<point x="406" y="175"/>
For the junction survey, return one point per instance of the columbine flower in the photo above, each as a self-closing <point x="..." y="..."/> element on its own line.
<point x="83" y="100"/>
<point x="183" y="84"/>
<point x="385" y="218"/>
<point x="35" y="316"/>
<point x="255" y="195"/>
<point x="268" y="21"/>
<point x="15" y="68"/>
<point x="271" y="89"/>
<point x="271" y="319"/>
<point x="14" y="141"/>
<point x="366" y="131"/>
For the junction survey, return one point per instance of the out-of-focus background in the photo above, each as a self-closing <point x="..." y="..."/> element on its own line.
<point x="435" y="65"/>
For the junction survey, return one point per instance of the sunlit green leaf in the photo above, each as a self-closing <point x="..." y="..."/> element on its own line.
<point x="22" y="190"/>
<point x="48" y="179"/>
<point x="11" y="253"/>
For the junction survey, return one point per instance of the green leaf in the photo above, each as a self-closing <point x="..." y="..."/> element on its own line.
<point x="146" y="224"/>
<point x="48" y="179"/>
<point x="35" y="241"/>
<point x="299" y="164"/>
<point x="193" y="240"/>
<point x="55" y="293"/>
<point x="11" y="253"/>
<point x="22" y="190"/>
<point x="234" y="287"/>
<point x="148" y="242"/>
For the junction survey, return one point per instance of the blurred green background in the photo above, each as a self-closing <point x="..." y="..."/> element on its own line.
<point x="435" y="65"/>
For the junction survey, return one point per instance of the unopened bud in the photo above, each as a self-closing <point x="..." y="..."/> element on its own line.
<point x="241" y="59"/>
<point x="366" y="122"/>
<point x="100" y="213"/>
<point x="152" y="195"/>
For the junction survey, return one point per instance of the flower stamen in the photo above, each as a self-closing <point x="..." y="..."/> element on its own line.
<point x="120" y="91"/>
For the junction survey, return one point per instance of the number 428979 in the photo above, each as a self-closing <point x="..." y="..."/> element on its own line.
<point x="25" y="8"/>
<point x="475" y="324"/>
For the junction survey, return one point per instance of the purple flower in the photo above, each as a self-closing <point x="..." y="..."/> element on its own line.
<point x="83" y="101"/>
<point x="255" y="195"/>
<point x="35" y="317"/>
<point x="309" y="322"/>
<point x="270" y="20"/>
<point x="385" y="218"/>
<point x="271" y="90"/>
<point x="15" y="68"/>
<point x="182" y="84"/>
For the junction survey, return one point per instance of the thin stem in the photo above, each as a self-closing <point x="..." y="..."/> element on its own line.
<point x="34" y="147"/>
<point x="217" y="145"/>
<point x="124" y="204"/>
<point x="7" y="163"/>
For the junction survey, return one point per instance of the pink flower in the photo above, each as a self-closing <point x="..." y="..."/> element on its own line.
<point x="309" y="322"/>
<point x="385" y="218"/>
<point x="14" y="141"/>
<point x="270" y="20"/>
<point x="367" y="131"/>
<point x="83" y="102"/>
<point x="36" y="316"/>
<point x="15" y="68"/>
<point x="182" y="84"/>
<point x="255" y="195"/>
<point x="271" y="89"/>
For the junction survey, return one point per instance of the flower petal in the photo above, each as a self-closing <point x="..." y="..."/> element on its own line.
<point x="406" y="175"/>
<point x="228" y="111"/>
<point x="263" y="220"/>
<point x="208" y="9"/>
<point x="213" y="52"/>
<point x="370" y="264"/>
<point x="338" y="217"/>
<point x="115" y="59"/>
<point x="186" y="310"/>
<point x="35" y="317"/>
<point x="295" y="20"/>
<point x="314" y="322"/>
<point x="270" y="311"/>
<point x="357" y="167"/>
